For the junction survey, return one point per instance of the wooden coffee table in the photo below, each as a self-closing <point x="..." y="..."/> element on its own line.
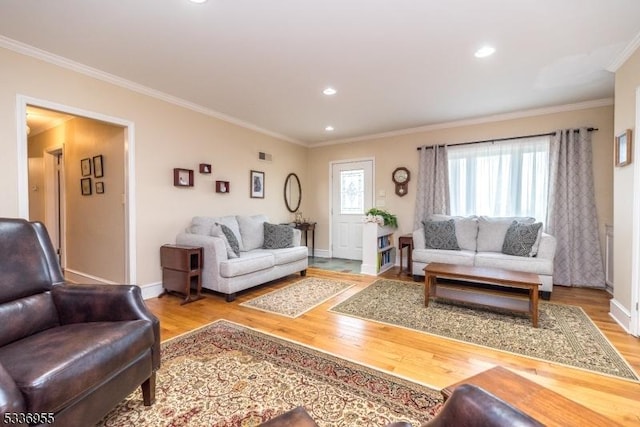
<point x="476" y="295"/>
<point x="546" y="406"/>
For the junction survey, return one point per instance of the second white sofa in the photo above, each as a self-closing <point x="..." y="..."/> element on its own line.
<point x="480" y="241"/>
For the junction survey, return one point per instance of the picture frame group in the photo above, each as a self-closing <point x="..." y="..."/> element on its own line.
<point x="91" y="166"/>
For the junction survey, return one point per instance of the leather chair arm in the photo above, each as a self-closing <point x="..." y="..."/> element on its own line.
<point x="11" y="399"/>
<point x="104" y="303"/>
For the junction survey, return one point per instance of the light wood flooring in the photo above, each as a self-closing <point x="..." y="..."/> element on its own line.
<point x="426" y="359"/>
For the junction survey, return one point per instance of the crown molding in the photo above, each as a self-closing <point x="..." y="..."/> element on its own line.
<point x="633" y="45"/>
<point x="28" y="50"/>
<point x="604" y="102"/>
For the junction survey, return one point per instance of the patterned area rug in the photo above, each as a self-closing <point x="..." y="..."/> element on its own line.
<point x="228" y="375"/>
<point x="565" y="334"/>
<point x="298" y="298"/>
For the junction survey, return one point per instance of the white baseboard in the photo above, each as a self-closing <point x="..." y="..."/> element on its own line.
<point x="320" y="253"/>
<point x="620" y="314"/>
<point x="151" y="290"/>
<point x="85" y="278"/>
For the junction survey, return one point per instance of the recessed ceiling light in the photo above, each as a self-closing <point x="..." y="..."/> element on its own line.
<point x="329" y="91"/>
<point x="197" y="1"/>
<point x="485" y="51"/>
<point x="329" y="128"/>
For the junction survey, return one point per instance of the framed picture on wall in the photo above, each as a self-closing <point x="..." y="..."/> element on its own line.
<point x="85" y="186"/>
<point x="623" y="148"/>
<point x="257" y="184"/>
<point x="97" y="166"/>
<point x="85" y="166"/>
<point x="99" y="187"/>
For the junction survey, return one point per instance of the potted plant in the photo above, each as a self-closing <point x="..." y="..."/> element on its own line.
<point x="382" y="217"/>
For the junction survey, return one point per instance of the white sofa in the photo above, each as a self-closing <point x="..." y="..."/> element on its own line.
<point x="227" y="273"/>
<point x="480" y="240"/>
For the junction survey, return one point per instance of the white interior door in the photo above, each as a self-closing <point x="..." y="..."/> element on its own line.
<point x="352" y="195"/>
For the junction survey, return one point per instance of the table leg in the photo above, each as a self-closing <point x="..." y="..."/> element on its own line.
<point x="534" y="306"/>
<point x="427" y="288"/>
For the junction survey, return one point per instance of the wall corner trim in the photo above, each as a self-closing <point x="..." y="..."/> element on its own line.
<point x="619" y="61"/>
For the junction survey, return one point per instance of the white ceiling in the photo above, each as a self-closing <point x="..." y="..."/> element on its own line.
<point x="396" y="64"/>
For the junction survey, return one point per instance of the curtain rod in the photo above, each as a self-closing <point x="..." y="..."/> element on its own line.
<point x="506" y="139"/>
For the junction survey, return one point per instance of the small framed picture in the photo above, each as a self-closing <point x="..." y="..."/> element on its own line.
<point x="85" y="166"/>
<point x="85" y="186"/>
<point x="97" y="166"/>
<point x="257" y="185"/>
<point x="99" y="187"/>
<point x="623" y="148"/>
<point x="205" y="168"/>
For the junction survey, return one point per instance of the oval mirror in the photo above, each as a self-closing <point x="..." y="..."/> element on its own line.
<point x="292" y="192"/>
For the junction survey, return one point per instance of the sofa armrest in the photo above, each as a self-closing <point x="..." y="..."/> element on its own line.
<point x="547" y="248"/>
<point x="11" y="399"/>
<point x="418" y="239"/>
<point x="297" y="237"/>
<point x="104" y="303"/>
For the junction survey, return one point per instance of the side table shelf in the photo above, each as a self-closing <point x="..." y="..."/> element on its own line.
<point x="181" y="271"/>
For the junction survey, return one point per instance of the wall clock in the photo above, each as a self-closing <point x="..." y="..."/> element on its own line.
<point x="401" y="177"/>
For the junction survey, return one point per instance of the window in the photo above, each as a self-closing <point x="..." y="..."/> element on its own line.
<point x="506" y="178"/>
<point x="352" y="192"/>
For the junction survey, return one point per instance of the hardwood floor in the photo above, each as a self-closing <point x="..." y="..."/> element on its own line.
<point x="425" y="359"/>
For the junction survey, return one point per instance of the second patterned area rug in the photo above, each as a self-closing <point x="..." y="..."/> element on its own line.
<point x="298" y="298"/>
<point x="565" y="334"/>
<point x="225" y="374"/>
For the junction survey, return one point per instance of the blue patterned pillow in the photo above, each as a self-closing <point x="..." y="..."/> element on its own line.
<point x="520" y="239"/>
<point x="440" y="235"/>
<point x="277" y="236"/>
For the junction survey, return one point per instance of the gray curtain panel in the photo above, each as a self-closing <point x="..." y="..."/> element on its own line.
<point x="572" y="217"/>
<point x="432" y="196"/>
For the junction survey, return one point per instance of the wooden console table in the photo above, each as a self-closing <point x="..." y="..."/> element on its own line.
<point x="305" y="227"/>
<point x="494" y="276"/>
<point x="546" y="406"/>
<point x="182" y="271"/>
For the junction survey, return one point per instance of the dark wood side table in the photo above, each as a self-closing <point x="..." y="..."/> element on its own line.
<point x="305" y="227"/>
<point x="406" y="240"/>
<point x="182" y="271"/>
<point x="546" y="406"/>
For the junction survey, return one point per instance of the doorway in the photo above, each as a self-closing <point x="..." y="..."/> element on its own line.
<point x="80" y="215"/>
<point x="351" y="196"/>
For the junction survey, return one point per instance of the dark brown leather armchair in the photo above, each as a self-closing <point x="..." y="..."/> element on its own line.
<point x="472" y="406"/>
<point x="68" y="353"/>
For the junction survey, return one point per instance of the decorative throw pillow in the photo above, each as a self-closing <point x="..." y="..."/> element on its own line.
<point x="277" y="236"/>
<point x="520" y="238"/>
<point x="230" y="240"/>
<point x="440" y="235"/>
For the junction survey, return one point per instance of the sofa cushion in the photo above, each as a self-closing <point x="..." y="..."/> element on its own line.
<point x="492" y="230"/>
<point x="466" y="229"/>
<point x="277" y="236"/>
<point x="520" y="239"/>
<point x="251" y="230"/>
<point x="229" y="239"/>
<point x="426" y="256"/>
<point x="512" y="262"/>
<point x="85" y="354"/>
<point x="287" y="255"/>
<point x="440" y="235"/>
<point x="248" y="262"/>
